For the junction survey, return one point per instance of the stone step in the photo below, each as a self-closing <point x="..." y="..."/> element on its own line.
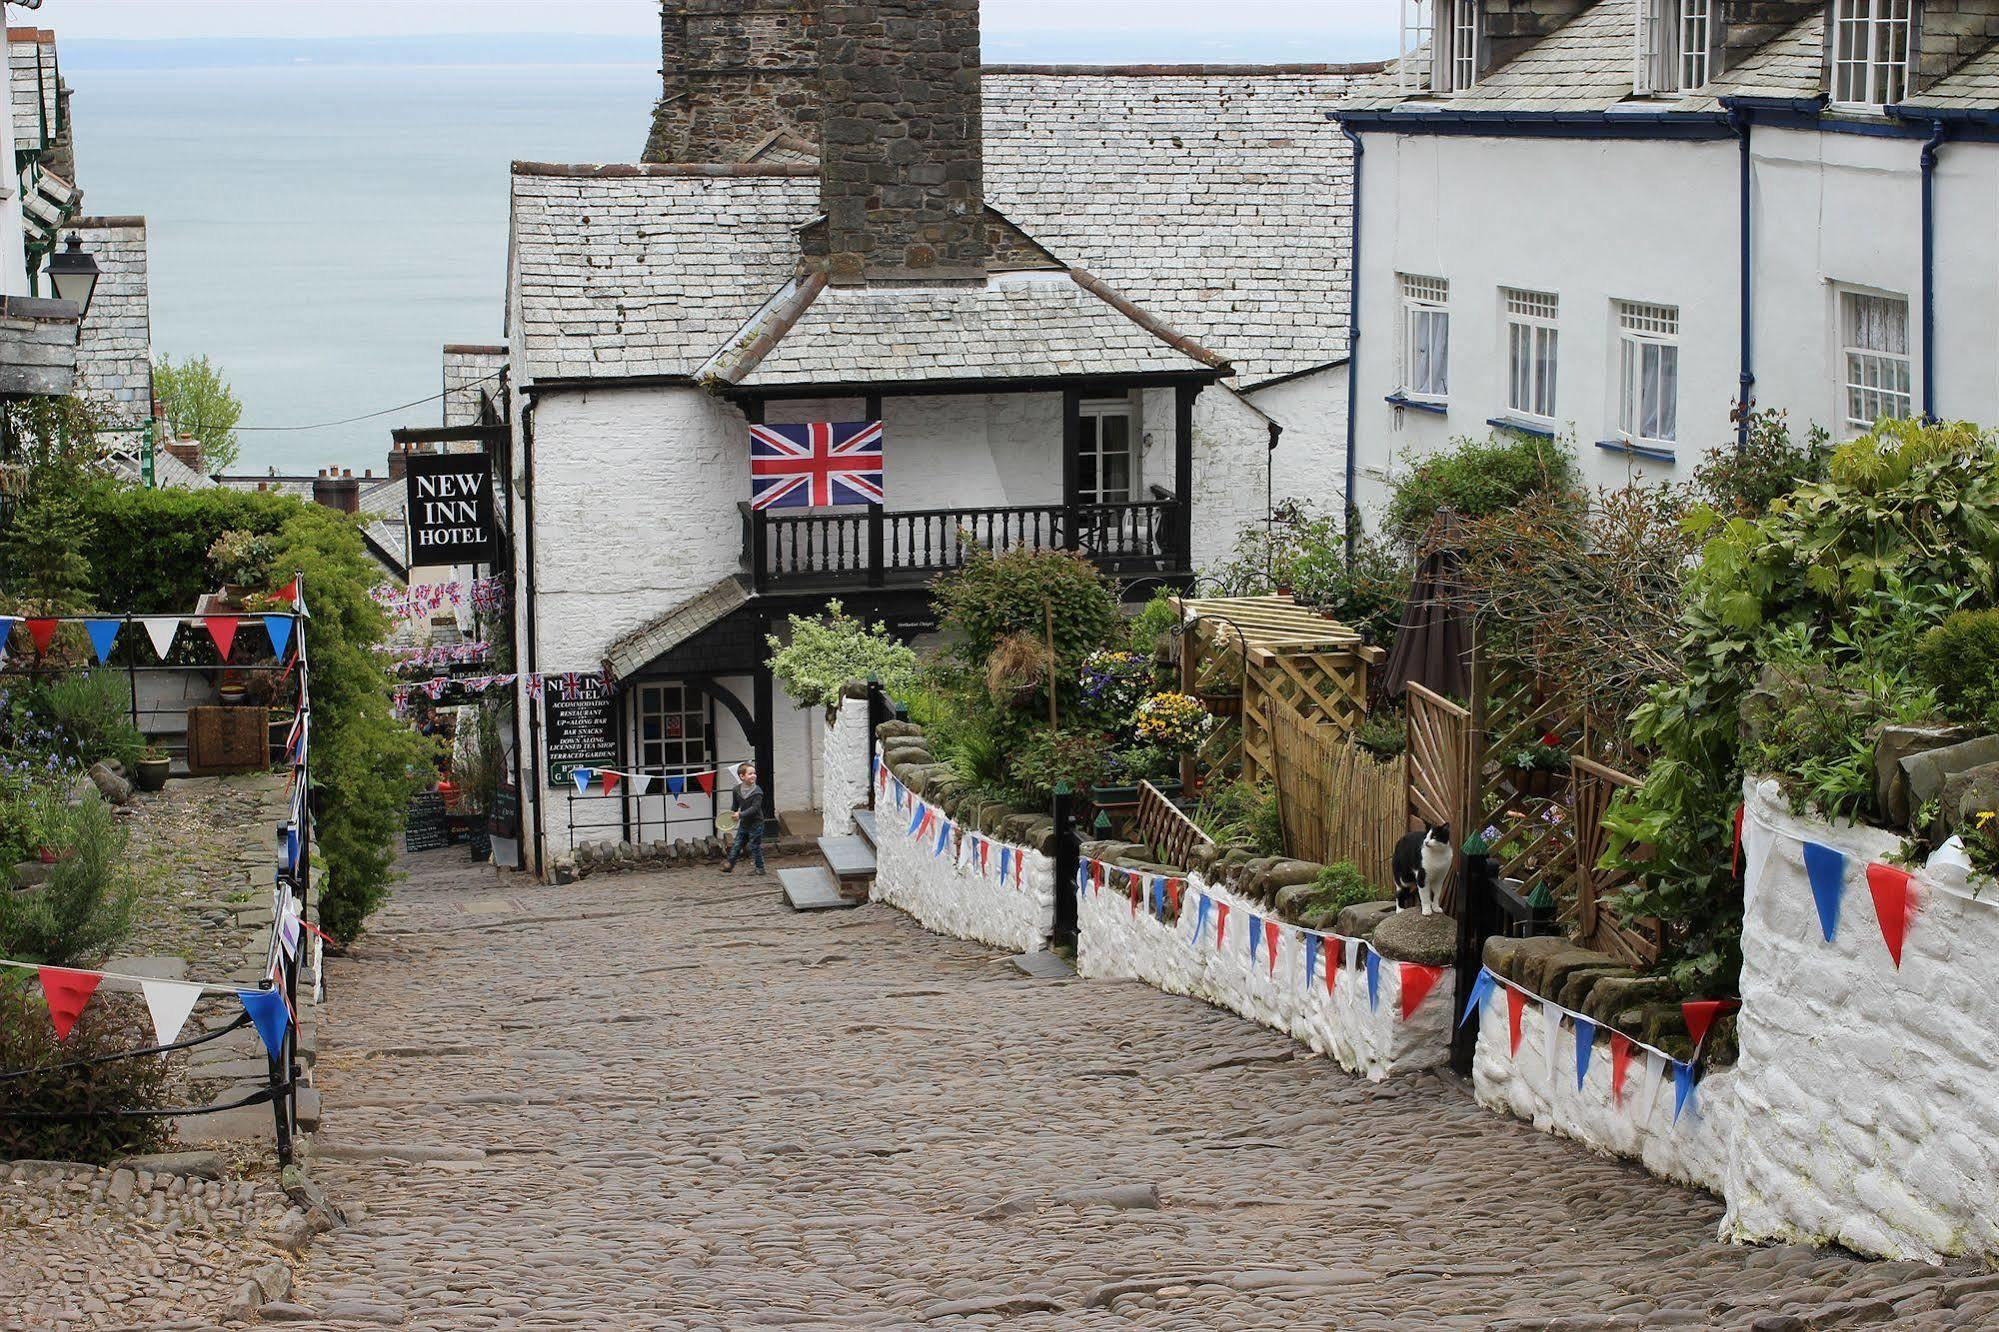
<point x="864" y="826"/>
<point x="812" y="888"/>
<point x="848" y="857"/>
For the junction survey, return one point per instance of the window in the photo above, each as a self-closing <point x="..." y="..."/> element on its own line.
<point x="1870" y="51"/>
<point x="1426" y="338"/>
<point x="1106" y="468"/>
<point x="1675" y="42"/>
<point x="1648" y="356"/>
<point x="1454" y="46"/>
<point x="1530" y="353"/>
<point x="1874" y="334"/>
<point x="673" y="728"/>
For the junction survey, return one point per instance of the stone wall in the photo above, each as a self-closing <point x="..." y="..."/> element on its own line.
<point x="1873" y="1089"/>
<point x="1950" y="32"/>
<point x="1748" y="24"/>
<point x="1511" y="26"/>
<point x="901" y="174"/>
<point x="733" y="74"/>
<point x="843" y="767"/>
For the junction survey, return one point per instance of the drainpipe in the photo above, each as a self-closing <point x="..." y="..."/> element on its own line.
<point x="1270" y="489"/>
<point x="1739" y="121"/>
<point x="525" y="595"/>
<point x="1353" y="346"/>
<point x="1938" y="133"/>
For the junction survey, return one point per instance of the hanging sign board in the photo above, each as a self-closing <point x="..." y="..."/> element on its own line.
<point x="450" y="507"/>
<point x="580" y="721"/>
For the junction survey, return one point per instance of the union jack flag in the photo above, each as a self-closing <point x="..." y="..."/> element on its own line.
<point x="818" y="464"/>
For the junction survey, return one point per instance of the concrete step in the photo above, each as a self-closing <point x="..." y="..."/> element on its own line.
<point x="812" y="888"/>
<point x="864" y="826"/>
<point x="848" y="857"/>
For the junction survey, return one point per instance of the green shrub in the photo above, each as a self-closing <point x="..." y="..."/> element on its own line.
<point x="1959" y="659"/>
<point x="1383" y="734"/>
<point x="112" y="1023"/>
<point x="825" y="652"/>
<point x="32" y="796"/>
<point x="1341" y="885"/>
<point x="1477" y="478"/>
<point x="997" y="596"/>
<point x="148" y="549"/>
<point x="1304" y="553"/>
<point x="85" y="908"/>
<point x="86" y="716"/>
<point x="1242" y="813"/>
<point x="1741" y="479"/>
<point x="1153" y="624"/>
<point x="1075" y="757"/>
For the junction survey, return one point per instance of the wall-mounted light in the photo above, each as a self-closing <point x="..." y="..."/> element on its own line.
<point x="74" y="273"/>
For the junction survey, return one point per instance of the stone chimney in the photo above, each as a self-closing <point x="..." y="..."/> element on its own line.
<point x="337" y="490"/>
<point x="188" y="449"/>
<point x="733" y="73"/>
<point x="399" y="461"/>
<point x="901" y="169"/>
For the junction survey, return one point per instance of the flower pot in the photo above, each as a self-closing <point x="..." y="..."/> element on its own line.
<point x="1120" y="797"/>
<point x="1535" y="783"/>
<point x="150" y="774"/>
<point x="1220" y="704"/>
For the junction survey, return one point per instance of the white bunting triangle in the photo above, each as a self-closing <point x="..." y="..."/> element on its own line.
<point x="161" y="629"/>
<point x="641" y="783"/>
<point x="170" y="1002"/>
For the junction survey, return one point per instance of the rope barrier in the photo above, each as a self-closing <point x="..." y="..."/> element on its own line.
<point x="188" y="1044"/>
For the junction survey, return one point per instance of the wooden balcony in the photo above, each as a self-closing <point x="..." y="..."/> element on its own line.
<point x="793" y="550"/>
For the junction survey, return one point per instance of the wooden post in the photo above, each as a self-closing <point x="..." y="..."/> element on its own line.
<point x="1183" y="471"/>
<point x="1066" y="850"/>
<point x="1477" y="919"/>
<point x="1072" y="448"/>
<point x="1048" y="610"/>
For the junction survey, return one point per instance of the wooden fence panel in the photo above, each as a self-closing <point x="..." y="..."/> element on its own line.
<point x="1166" y="829"/>
<point x="1336" y="801"/>
<point x="1439" y="760"/>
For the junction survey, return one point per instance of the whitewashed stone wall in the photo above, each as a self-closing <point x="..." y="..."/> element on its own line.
<point x="1309" y="465"/>
<point x="1116" y="941"/>
<point x="952" y="895"/>
<point x="1539" y="1085"/>
<point x="843" y="784"/>
<point x="1868" y="1095"/>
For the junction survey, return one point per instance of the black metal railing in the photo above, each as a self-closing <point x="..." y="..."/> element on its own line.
<point x="875" y="546"/>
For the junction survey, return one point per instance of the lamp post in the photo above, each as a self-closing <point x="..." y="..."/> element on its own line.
<point x="73" y="273"/>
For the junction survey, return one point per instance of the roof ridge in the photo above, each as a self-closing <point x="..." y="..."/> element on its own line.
<point x="1168" y="71"/>
<point x="1146" y="320"/>
<point x="738" y="358"/>
<point x="606" y="170"/>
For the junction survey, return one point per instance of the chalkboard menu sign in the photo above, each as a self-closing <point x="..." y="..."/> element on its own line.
<point x="580" y="721"/>
<point x="424" y="828"/>
<point x="505" y="818"/>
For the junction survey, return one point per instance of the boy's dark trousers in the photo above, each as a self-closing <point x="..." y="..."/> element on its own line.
<point x="750" y="836"/>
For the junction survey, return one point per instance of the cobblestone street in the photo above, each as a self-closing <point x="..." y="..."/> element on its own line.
<point x="663" y="1101"/>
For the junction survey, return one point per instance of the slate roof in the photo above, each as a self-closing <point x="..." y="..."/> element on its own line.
<point x="1022" y="326"/>
<point x="1974" y="85"/>
<point x="1213" y="198"/>
<point x="114" y="345"/>
<point x="648" y="643"/>
<point x="169" y="472"/>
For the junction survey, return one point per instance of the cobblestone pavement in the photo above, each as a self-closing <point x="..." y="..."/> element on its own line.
<point x="662" y="1101"/>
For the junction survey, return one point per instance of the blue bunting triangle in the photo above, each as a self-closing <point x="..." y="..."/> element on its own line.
<point x="943" y="837"/>
<point x="1311" y="958"/>
<point x="1201" y="917"/>
<point x="270" y="1017"/>
<point x="582" y="776"/>
<point x="1585" y="1047"/>
<point x="103" y="633"/>
<point x="1006" y="862"/>
<point x="1827" y="869"/>
<point x="1373" y="979"/>
<point x="1479" y="990"/>
<point x="1255" y="936"/>
<point x="279" y="627"/>
<point x="1683" y="1087"/>
<point x="915" y="821"/>
<point x="1082" y="878"/>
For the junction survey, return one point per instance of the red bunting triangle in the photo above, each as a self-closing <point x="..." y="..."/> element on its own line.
<point x="1701" y="1013"/>
<point x="1894" y="905"/>
<point x="1735" y="856"/>
<point x="1515" y="1001"/>
<point x="706" y="781"/>
<point x="221" y="628"/>
<point x="610" y="782"/>
<point x="1132" y="893"/>
<point x="43" y="632"/>
<point x="1335" y="955"/>
<point x="289" y="592"/>
<point x="1221" y="922"/>
<point x="1270" y="943"/>
<point x="1173" y="887"/>
<point x="67" y="992"/>
<point x="1620" y="1065"/>
<point x="1417" y="982"/>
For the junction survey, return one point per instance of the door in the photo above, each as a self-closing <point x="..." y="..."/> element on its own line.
<point x="673" y="730"/>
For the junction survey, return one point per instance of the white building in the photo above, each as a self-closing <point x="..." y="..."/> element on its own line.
<point x="1561" y="205"/>
<point x="1099" y="308"/>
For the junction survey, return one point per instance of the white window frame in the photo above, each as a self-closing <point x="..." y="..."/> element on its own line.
<point x="1648" y="348"/>
<point x="1871" y="44"/>
<point x="1874" y="382"/>
<point x="1454" y="45"/>
<point x="1090" y="445"/>
<point x="655" y="700"/>
<point x="1424" y="299"/>
<point x="1533" y="347"/>
<point x="1674" y="51"/>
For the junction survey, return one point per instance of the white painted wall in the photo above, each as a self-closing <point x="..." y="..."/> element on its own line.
<point x="1592" y="221"/>
<point x="1116" y="940"/>
<point x="843" y="781"/>
<point x="1873" y="1091"/>
<point x="1231" y="481"/>
<point x="952" y="894"/>
<point x="13" y="234"/>
<point x="1310" y="463"/>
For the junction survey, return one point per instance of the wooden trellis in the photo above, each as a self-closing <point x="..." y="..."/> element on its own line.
<point x="1335" y="800"/>
<point x="1282" y="653"/>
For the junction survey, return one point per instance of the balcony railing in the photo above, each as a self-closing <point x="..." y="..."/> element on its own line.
<point x="877" y="548"/>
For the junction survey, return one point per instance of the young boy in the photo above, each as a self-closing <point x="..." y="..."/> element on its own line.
<point x="749" y="820"/>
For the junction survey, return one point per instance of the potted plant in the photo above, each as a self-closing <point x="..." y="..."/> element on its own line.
<point x="150" y="772"/>
<point x="1127" y="767"/>
<point x="1535" y="770"/>
<point x="242" y="560"/>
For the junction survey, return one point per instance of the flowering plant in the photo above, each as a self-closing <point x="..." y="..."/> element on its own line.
<point x="1177" y="721"/>
<point x="1113" y="682"/>
<point x="1981" y="841"/>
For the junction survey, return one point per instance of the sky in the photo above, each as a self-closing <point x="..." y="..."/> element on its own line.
<point x="1302" y="22"/>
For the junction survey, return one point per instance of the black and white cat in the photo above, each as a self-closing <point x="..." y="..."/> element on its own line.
<point x="1422" y="861"/>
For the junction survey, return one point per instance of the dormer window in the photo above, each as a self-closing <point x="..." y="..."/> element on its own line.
<point x="1454" y="53"/>
<point x="1870" y="51"/>
<point x="1675" y="45"/>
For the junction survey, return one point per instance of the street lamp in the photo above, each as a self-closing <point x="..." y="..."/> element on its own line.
<point x="73" y="273"/>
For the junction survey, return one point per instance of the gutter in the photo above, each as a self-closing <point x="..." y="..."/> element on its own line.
<point x="1411" y="119"/>
<point x="1349" y="511"/>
